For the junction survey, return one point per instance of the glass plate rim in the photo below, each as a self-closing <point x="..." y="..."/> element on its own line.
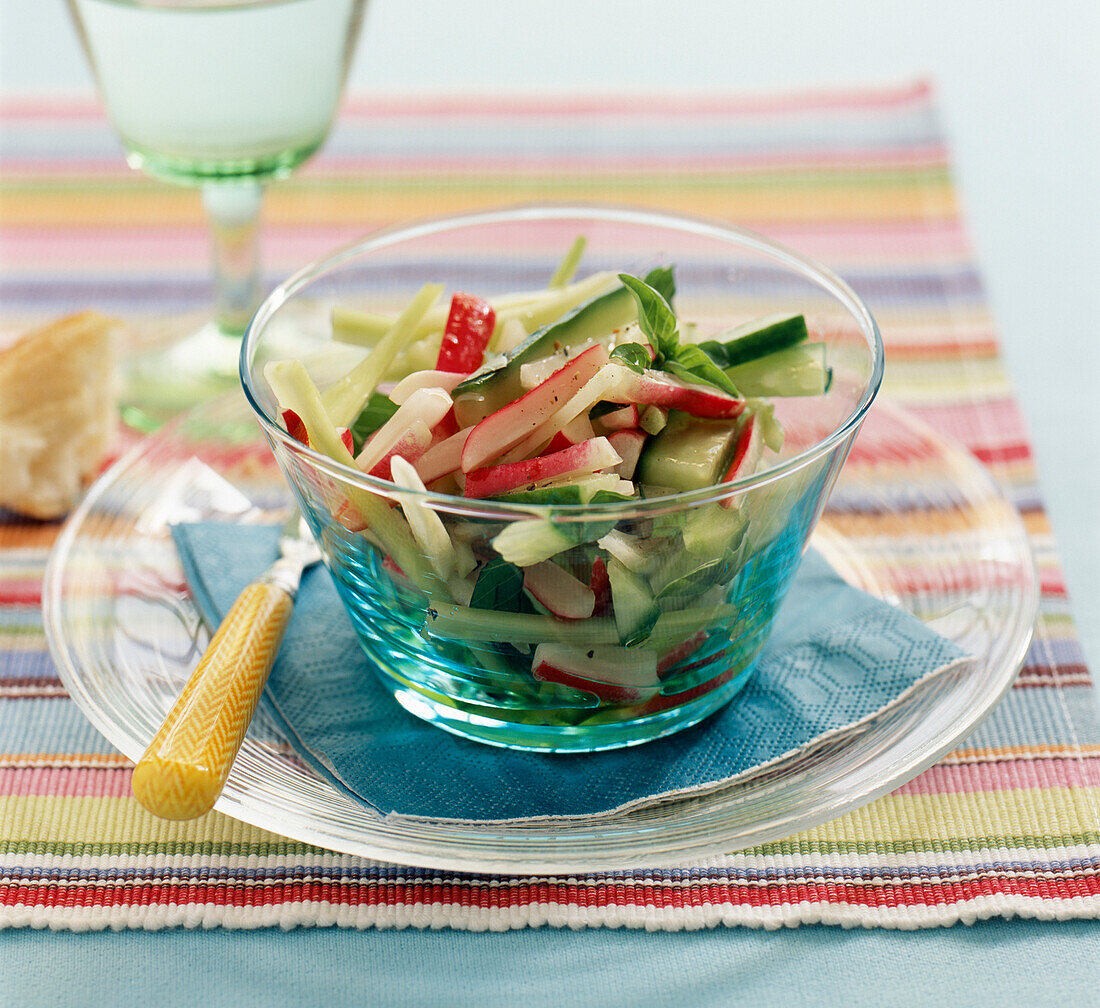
<point x="676" y="832"/>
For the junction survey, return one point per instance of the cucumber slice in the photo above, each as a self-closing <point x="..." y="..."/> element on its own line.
<point x="795" y="371"/>
<point x="636" y="610"/>
<point x="524" y="543"/>
<point x="577" y="491"/>
<point x="755" y="339"/>
<point x="689" y="454"/>
<point x="712" y="537"/>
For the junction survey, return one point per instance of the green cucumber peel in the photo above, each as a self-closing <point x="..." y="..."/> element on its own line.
<point x="754" y="339"/>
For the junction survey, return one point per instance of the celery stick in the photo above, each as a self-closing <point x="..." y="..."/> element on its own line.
<point x="295" y="390"/>
<point x="344" y="399"/>
<point x="366" y="328"/>
<point x="462" y="623"/>
<point x="568" y="266"/>
<point x="533" y="310"/>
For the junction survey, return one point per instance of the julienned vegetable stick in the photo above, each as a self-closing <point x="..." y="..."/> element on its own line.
<point x="568" y="266"/>
<point x="346" y="397"/>
<point x="295" y="390"/>
<point x="463" y="623"/>
<point x="532" y="310"/>
<point x="428" y="404"/>
<point x="427" y="528"/>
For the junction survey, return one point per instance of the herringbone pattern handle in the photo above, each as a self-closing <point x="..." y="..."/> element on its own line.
<point x="185" y="767"/>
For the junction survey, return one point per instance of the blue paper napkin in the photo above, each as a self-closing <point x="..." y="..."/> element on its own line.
<point x="835" y="657"/>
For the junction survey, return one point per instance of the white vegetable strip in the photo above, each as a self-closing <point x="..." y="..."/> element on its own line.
<point x="346" y="397"/>
<point x="445" y="380"/>
<point x="443" y="458"/>
<point x="511" y="334"/>
<point x="602" y="384"/>
<point x="429" y="405"/>
<point x="427" y="527"/>
<point x="410" y="444"/>
<point x="295" y="390"/>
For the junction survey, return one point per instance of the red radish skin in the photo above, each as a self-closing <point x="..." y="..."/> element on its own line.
<point x="628" y="444"/>
<point x="621" y="419"/>
<point x="600" y="584"/>
<point x="424" y="406"/>
<point x="746" y="455"/>
<point x="348" y="517"/>
<point x="510" y="424"/>
<point x="558" y="443"/>
<point x="295" y="427"/>
<point x="663" y="701"/>
<point x="680" y="652"/>
<point x="587" y="457"/>
<point x="653" y="388"/>
<point x="558" y="591"/>
<point x="445" y="428"/>
<point x="579" y="669"/>
<point x="410" y="446"/>
<point x="469" y="328"/>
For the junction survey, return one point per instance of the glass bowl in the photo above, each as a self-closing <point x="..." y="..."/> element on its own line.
<point x="476" y="646"/>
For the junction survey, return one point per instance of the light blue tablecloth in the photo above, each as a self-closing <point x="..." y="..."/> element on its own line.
<point x="991" y="965"/>
<point x="994" y="964"/>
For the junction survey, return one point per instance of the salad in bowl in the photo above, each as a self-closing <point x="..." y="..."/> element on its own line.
<point x="562" y="510"/>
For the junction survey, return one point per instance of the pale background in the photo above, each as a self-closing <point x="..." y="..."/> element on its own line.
<point x="1019" y="87"/>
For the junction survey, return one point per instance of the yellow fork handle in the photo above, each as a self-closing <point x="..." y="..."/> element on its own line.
<point x="185" y="767"/>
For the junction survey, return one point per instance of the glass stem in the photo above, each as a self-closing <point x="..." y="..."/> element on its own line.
<point x="233" y="212"/>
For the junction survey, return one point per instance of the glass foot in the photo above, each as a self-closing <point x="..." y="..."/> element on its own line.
<point x="161" y="384"/>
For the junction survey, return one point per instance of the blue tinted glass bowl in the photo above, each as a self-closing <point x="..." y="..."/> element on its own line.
<point x="469" y="669"/>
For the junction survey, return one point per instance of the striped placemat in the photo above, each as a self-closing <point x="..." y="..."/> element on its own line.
<point x="1007" y="825"/>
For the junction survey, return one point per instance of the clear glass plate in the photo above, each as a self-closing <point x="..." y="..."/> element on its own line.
<point x="914" y="520"/>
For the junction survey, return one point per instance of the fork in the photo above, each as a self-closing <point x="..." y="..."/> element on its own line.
<point x="185" y="767"/>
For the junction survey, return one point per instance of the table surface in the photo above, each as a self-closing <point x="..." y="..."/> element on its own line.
<point x="1020" y="97"/>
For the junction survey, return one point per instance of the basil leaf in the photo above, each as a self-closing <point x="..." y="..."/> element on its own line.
<point x="499" y="587"/>
<point x="692" y="364"/>
<point x="378" y="410"/>
<point x="716" y="352"/>
<point x="663" y="282"/>
<point x="655" y="316"/>
<point x="633" y="355"/>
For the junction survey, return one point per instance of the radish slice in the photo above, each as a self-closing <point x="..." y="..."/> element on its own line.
<point x="427" y="405"/>
<point x="621" y="419"/>
<point x="442" y="458"/>
<point x="628" y="444"/>
<point x="558" y="591"/>
<point x="587" y="457"/>
<point x="614" y="674"/>
<point x="410" y="446"/>
<point x="746" y="455"/>
<point x="510" y="424"/>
